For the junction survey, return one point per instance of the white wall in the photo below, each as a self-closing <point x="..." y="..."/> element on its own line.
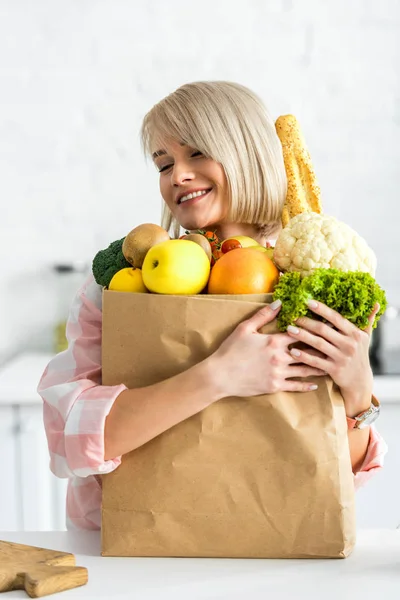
<point x="77" y="77"/>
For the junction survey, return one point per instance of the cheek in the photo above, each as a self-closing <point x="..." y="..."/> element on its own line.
<point x="220" y="178"/>
<point x="223" y="192"/>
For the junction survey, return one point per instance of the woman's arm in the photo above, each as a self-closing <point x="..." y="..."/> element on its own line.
<point x="75" y="404"/>
<point x="139" y="415"/>
<point x="374" y="458"/>
<point x="358" y="438"/>
<point x="358" y="444"/>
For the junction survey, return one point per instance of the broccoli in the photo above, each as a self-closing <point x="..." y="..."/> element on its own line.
<point x="353" y="294"/>
<point x="109" y="261"/>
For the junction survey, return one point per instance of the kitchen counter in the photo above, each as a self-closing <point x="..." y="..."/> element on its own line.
<point x="372" y="571"/>
<point x="20" y="376"/>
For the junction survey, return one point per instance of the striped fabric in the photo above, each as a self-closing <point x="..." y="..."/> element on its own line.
<point x="76" y="406"/>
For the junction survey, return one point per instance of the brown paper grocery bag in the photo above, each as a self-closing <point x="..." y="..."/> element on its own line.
<point x="266" y="476"/>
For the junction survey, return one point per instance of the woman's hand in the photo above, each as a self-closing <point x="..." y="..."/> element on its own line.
<point x="250" y="363"/>
<point x="344" y="349"/>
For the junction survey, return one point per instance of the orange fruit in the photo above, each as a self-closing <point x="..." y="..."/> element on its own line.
<point x="243" y="271"/>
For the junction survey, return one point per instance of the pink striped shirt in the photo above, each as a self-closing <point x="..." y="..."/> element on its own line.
<point x="76" y="406"/>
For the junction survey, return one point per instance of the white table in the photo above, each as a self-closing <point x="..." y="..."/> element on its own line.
<point x="372" y="572"/>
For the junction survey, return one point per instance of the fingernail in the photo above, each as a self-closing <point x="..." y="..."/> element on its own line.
<point x="292" y="329"/>
<point x="312" y="304"/>
<point x="313" y="387"/>
<point x="377" y="307"/>
<point x="295" y="352"/>
<point x="276" y="304"/>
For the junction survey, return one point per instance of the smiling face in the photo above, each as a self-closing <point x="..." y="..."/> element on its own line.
<point x="193" y="186"/>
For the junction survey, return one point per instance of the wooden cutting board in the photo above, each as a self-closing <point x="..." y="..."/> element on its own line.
<point x="38" y="570"/>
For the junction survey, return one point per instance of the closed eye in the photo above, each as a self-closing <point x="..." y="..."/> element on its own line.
<point x="195" y="154"/>
<point x="164" y="168"/>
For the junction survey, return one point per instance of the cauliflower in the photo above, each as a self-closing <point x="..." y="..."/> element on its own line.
<point x="311" y="241"/>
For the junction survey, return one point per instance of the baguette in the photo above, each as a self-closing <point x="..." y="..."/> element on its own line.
<point x="303" y="192"/>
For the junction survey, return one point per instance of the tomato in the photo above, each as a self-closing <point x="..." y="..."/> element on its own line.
<point x="211" y="236"/>
<point x="216" y="254"/>
<point x="230" y="244"/>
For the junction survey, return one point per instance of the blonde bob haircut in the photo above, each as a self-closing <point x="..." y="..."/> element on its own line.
<point x="229" y="123"/>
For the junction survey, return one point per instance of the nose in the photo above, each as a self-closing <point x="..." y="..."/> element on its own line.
<point x="181" y="172"/>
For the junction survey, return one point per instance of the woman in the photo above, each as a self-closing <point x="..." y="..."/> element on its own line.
<point x="220" y="167"/>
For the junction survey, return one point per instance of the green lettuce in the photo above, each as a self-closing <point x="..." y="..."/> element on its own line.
<point x="351" y="293"/>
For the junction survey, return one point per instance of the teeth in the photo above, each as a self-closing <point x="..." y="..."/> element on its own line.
<point x="194" y="195"/>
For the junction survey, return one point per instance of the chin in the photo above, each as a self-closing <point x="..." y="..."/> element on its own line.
<point x="193" y="224"/>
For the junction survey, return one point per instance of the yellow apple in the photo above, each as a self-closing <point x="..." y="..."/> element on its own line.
<point x="128" y="279"/>
<point x="269" y="251"/>
<point x="202" y="241"/>
<point x="245" y="241"/>
<point x="176" y="267"/>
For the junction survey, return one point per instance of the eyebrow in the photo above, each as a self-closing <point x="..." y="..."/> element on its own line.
<point x="163" y="152"/>
<point x="158" y="153"/>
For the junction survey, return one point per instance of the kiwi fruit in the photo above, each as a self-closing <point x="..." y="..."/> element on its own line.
<point x="139" y="241"/>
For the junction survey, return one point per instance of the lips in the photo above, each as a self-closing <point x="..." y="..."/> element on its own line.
<point x="192" y="195"/>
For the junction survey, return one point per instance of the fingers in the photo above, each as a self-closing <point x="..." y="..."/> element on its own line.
<point x="371" y="318"/>
<point x="315" y="341"/>
<point x="318" y="327"/>
<point x="340" y="323"/>
<point x="263" y="316"/>
<point x="305" y="371"/>
<point x="311" y="360"/>
<point x="299" y="386"/>
<point x="292" y="360"/>
<point x="313" y="352"/>
<point x="332" y="316"/>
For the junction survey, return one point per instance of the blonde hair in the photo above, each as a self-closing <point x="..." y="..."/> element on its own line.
<point x="230" y="124"/>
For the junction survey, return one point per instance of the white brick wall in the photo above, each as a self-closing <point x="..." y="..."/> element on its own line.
<point x="77" y="76"/>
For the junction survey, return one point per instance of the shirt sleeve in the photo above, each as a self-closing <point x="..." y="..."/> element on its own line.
<point x="374" y="458"/>
<point x="75" y="403"/>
